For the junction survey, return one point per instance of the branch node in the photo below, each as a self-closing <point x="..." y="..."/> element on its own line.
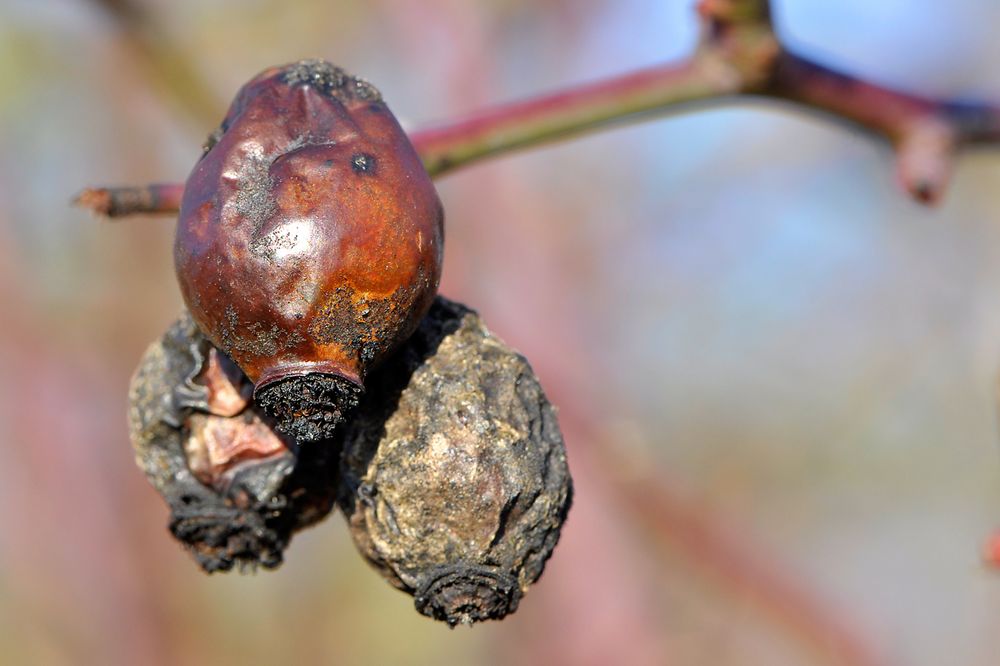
<point x="740" y="33"/>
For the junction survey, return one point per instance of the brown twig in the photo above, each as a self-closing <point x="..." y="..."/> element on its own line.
<point x="564" y="114"/>
<point x="739" y="55"/>
<point x="155" y="199"/>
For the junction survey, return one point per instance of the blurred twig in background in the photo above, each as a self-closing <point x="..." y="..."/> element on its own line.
<point x="679" y="527"/>
<point x="168" y="67"/>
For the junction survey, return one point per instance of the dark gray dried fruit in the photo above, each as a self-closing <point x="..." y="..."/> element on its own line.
<point x="236" y="489"/>
<point x="454" y="476"/>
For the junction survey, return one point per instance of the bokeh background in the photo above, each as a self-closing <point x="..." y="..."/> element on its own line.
<point x="739" y="302"/>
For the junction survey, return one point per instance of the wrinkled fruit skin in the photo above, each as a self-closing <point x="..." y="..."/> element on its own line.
<point x="236" y="489"/>
<point x="309" y="242"/>
<point x="453" y="477"/>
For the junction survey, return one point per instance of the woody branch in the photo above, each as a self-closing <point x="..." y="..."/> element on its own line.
<point x="739" y="55"/>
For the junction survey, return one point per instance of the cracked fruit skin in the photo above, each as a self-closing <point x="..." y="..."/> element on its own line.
<point x="309" y="242"/>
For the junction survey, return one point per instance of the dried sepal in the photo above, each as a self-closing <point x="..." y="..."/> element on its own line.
<point x="454" y="477"/>
<point x="236" y="489"/>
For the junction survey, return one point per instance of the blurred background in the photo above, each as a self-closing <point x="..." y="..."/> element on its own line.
<point x="801" y="360"/>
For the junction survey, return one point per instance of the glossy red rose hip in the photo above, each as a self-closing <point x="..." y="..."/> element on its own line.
<point x="309" y="242"/>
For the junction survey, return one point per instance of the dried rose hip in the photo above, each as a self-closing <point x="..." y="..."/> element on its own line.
<point x="454" y="477"/>
<point x="309" y="241"/>
<point x="236" y="489"/>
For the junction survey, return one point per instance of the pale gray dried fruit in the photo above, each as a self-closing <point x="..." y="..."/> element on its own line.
<point x="454" y="476"/>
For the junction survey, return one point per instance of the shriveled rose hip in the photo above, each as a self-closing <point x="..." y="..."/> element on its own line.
<point x="237" y="491"/>
<point x="454" y="478"/>
<point x="309" y="242"/>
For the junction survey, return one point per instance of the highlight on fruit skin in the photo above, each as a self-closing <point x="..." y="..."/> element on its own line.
<point x="236" y="489"/>
<point x="454" y="478"/>
<point x="309" y="241"/>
